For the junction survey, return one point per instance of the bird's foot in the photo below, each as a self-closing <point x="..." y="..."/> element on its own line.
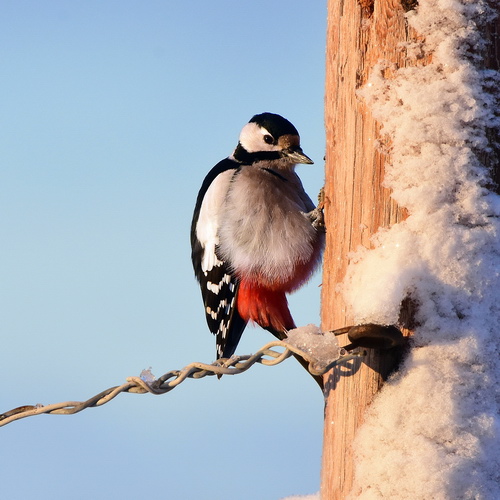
<point x="317" y="216"/>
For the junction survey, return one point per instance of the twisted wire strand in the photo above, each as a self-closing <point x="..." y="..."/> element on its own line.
<point x="226" y="366"/>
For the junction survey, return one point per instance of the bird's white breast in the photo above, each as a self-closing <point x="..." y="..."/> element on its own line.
<point x="265" y="229"/>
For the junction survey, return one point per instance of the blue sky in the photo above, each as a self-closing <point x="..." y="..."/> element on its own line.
<point x="112" y="114"/>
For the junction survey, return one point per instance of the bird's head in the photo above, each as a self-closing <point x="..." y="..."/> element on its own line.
<point x="270" y="137"/>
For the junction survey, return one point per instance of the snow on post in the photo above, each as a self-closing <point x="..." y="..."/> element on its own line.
<point x="433" y="430"/>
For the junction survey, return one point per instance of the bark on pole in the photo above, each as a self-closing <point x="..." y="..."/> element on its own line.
<point x="360" y="34"/>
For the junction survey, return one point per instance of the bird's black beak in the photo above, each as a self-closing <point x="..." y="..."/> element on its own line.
<point x="296" y="155"/>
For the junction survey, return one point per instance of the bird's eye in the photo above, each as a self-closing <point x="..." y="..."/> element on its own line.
<point x="269" y="139"/>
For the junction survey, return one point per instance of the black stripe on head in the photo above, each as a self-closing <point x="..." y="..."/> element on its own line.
<point x="276" y="125"/>
<point x="242" y="156"/>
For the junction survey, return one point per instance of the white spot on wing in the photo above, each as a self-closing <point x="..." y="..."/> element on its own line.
<point x="208" y="220"/>
<point x="224" y="306"/>
<point x="216" y="288"/>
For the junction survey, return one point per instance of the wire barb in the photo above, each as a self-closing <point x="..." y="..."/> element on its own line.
<point x="267" y="355"/>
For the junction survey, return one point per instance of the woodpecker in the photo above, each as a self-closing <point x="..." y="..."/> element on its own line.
<point x="255" y="235"/>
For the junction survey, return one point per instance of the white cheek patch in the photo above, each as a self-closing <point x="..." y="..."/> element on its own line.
<point x="252" y="139"/>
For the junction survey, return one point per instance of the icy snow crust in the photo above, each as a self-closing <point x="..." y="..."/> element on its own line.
<point x="323" y="347"/>
<point x="433" y="432"/>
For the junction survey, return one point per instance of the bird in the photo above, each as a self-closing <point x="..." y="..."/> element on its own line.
<point x="256" y="236"/>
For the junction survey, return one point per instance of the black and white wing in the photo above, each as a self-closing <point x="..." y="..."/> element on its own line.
<point x="219" y="287"/>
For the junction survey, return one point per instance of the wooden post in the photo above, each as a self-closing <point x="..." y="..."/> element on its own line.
<point x="360" y="33"/>
<point x="356" y="205"/>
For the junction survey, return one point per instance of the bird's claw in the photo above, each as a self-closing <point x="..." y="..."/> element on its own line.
<point x="317" y="216"/>
<point x="321" y="198"/>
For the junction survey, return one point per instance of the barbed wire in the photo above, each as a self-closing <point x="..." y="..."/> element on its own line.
<point x="170" y="380"/>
